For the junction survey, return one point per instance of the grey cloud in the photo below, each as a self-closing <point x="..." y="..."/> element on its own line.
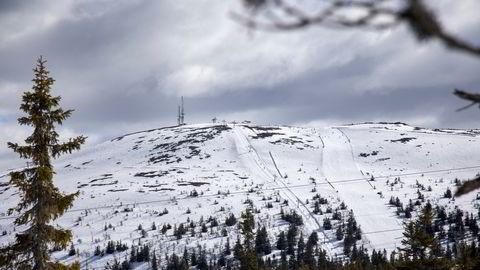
<point x="122" y="65"/>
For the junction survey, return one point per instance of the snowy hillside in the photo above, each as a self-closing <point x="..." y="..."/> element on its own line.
<point x="198" y="173"/>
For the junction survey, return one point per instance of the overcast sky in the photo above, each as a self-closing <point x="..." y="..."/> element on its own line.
<point x="123" y="65"/>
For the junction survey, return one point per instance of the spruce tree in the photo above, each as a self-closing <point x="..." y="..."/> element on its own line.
<point x="154" y="261"/>
<point x="282" y="241"/>
<point x="262" y="244"/>
<point x="309" y="256"/>
<point x="421" y="248"/>
<point x="300" y="249"/>
<point x="291" y="239"/>
<point x="41" y="202"/>
<point x="227" y="250"/>
<point x="247" y="225"/>
<point x="283" y="261"/>
<point x="248" y="257"/>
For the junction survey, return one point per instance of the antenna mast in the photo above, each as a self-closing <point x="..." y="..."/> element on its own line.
<point x="181" y="114"/>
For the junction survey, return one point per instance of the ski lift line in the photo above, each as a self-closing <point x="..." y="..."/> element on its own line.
<point x="310" y="214"/>
<point x="409" y="174"/>
<point x="349" y="142"/>
<point x="298" y="199"/>
<point x="265" y="189"/>
<point x="370" y="184"/>
<point x="384" y="231"/>
<point x="323" y="142"/>
<point x="368" y="178"/>
<point x="328" y="183"/>
<point x="275" y="164"/>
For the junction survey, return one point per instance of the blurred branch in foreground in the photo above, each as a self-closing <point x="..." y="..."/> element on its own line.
<point x="278" y="15"/>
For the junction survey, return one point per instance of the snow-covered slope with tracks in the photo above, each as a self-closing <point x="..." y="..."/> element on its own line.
<point x="188" y="173"/>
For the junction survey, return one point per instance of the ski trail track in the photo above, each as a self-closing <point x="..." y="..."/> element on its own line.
<point x="380" y="227"/>
<point x="256" y="165"/>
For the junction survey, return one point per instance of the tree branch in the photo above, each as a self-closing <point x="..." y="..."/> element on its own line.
<point x="421" y="20"/>
<point x="468" y="187"/>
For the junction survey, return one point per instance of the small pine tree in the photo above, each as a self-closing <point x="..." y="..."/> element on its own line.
<point x="339" y="233"/>
<point x="98" y="251"/>
<point x="231" y="220"/>
<point x="202" y="261"/>
<point x="228" y="250"/>
<point x="72" y="251"/>
<point x="193" y="258"/>
<point x="110" y="247"/>
<point x="154" y="261"/>
<point x="291" y="239"/>
<point x="238" y="248"/>
<point x="41" y="202"/>
<point x="327" y="225"/>
<point x="282" y="241"/>
<point x="300" y="249"/>
<point x="262" y="244"/>
<point x="309" y="256"/>
<point x="283" y="261"/>
<point x="247" y="225"/>
<point x="448" y="194"/>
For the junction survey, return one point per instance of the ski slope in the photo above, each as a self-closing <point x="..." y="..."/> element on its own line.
<point x="191" y="173"/>
<point x="381" y="227"/>
<point x="273" y="178"/>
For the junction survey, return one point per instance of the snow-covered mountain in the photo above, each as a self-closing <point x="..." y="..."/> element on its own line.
<point x="190" y="173"/>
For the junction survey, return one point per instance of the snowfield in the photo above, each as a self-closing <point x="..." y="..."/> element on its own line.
<point x="194" y="173"/>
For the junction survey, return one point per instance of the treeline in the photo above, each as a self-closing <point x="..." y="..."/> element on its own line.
<point x="435" y="239"/>
<point x="424" y="247"/>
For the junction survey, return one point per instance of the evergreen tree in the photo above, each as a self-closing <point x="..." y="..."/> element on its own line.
<point x="133" y="254"/>
<point x="247" y="225"/>
<point x="231" y="220"/>
<point x="72" y="251"/>
<point x="291" y="239"/>
<point x="249" y="260"/>
<point x="339" y="233"/>
<point x="202" y="261"/>
<point x="154" y="261"/>
<point x="193" y="258"/>
<point x="238" y="248"/>
<point x="110" y="247"/>
<point x="282" y="241"/>
<point x="262" y="244"/>
<point x="248" y="256"/>
<point x="283" y="261"/>
<point x="327" y="225"/>
<point x="309" y="256"/>
<point x="419" y="235"/>
<point x="227" y="247"/>
<point x="222" y="261"/>
<point x="412" y="248"/>
<point x="41" y="202"/>
<point x="98" y="251"/>
<point x="421" y="248"/>
<point x="185" y="258"/>
<point x="300" y="248"/>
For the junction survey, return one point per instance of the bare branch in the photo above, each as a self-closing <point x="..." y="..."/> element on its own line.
<point x="421" y="20"/>
<point x="474" y="98"/>
<point x="466" y="107"/>
<point x="468" y="187"/>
